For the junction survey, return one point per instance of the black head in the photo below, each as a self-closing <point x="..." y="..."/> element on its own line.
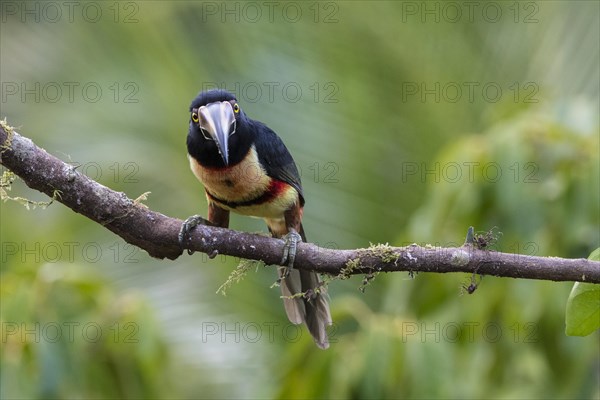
<point x="211" y="96"/>
<point x="218" y="129"/>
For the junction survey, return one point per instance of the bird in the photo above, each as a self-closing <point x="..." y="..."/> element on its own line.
<point x="246" y="168"/>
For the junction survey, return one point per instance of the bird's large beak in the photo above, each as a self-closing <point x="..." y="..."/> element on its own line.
<point x="218" y="121"/>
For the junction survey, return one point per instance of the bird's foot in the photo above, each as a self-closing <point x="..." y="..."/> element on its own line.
<point x="187" y="226"/>
<point x="289" y="251"/>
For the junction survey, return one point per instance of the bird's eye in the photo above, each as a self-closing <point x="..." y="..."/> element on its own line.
<point x="195" y="117"/>
<point x="236" y="108"/>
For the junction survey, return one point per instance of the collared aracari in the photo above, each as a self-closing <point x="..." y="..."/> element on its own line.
<point x="245" y="168"/>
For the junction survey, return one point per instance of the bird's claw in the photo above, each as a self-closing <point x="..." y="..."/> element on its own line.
<point x="289" y="251"/>
<point x="187" y="226"/>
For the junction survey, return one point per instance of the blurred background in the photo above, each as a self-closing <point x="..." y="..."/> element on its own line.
<point x="409" y="121"/>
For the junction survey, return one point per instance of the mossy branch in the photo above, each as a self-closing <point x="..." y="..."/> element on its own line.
<point x="158" y="234"/>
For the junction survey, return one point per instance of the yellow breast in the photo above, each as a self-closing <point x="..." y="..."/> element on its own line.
<point x="243" y="182"/>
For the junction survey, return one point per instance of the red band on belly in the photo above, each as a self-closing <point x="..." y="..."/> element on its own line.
<point x="274" y="189"/>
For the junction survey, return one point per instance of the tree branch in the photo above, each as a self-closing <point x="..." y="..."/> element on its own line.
<point x="158" y="234"/>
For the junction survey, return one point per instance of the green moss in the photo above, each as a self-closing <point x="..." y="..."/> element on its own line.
<point x="6" y="181"/>
<point x="349" y="268"/>
<point x="384" y="252"/>
<point x="10" y="133"/>
<point x="238" y="274"/>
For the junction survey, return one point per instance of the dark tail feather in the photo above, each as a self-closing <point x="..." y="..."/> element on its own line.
<point x="314" y="309"/>
<point x="318" y="316"/>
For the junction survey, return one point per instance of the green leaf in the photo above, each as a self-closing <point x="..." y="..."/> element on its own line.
<point x="583" y="306"/>
<point x="595" y="256"/>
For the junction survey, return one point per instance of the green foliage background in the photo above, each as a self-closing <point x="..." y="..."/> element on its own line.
<point x="85" y="316"/>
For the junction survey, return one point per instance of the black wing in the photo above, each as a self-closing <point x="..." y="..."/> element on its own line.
<point x="275" y="157"/>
